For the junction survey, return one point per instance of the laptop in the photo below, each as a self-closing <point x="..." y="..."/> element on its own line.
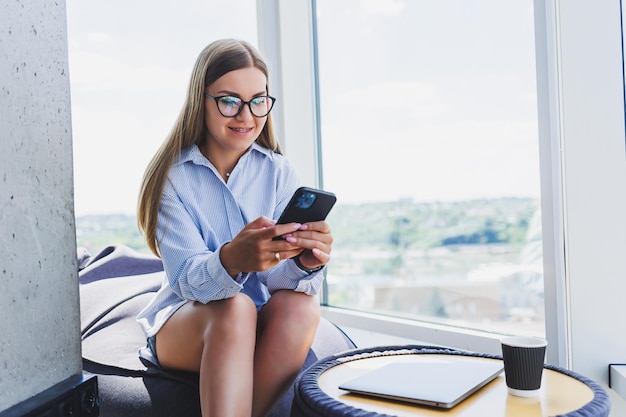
<point x="436" y="382"/>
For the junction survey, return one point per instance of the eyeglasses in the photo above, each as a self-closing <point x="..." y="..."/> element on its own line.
<point x="231" y="106"/>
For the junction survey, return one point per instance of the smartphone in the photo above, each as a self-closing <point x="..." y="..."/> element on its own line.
<point x="307" y="205"/>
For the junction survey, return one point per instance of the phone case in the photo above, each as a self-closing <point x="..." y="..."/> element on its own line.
<point x="308" y="205"/>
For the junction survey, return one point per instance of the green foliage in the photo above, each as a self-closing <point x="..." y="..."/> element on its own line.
<point x="395" y="227"/>
<point x="406" y="225"/>
<point x="96" y="232"/>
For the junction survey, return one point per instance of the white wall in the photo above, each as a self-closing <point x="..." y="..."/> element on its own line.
<point x="39" y="316"/>
<point x="593" y="164"/>
<point x="581" y="101"/>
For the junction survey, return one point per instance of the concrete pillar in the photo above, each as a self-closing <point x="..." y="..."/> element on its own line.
<point x="39" y="307"/>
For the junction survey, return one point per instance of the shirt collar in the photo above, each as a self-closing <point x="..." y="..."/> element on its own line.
<point x="193" y="154"/>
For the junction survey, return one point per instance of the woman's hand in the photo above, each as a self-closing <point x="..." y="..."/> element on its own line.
<point x="316" y="240"/>
<point x="253" y="249"/>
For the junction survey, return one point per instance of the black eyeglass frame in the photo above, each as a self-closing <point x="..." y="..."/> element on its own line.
<point x="243" y="103"/>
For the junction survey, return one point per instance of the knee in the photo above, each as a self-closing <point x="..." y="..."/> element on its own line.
<point x="236" y="315"/>
<point x="301" y="308"/>
<point x="240" y="306"/>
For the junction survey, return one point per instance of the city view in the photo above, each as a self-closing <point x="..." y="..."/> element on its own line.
<point x="472" y="263"/>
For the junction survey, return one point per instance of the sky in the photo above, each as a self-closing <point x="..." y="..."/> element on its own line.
<point x="412" y="105"/>
<point x="428" y="100"/>
<point x="130" y="63"/>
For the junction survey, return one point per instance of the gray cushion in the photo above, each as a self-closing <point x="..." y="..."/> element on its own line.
<point x="114" y="286"/>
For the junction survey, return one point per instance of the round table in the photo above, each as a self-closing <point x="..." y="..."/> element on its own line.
<point x="563" y="393"/>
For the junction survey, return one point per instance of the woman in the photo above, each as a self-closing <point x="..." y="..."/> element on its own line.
<point x="236" y="306"/>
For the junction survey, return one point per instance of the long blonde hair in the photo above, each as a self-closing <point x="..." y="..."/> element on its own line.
<point x="215" y="60"/>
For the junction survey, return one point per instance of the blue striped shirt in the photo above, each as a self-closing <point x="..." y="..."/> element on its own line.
<point x="200" y="212"/>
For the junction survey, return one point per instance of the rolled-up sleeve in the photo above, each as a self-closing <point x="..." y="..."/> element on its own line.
<point x="287" y="276"/>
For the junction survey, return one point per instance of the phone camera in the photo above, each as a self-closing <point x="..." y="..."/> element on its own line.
<point x="305" y="200"/>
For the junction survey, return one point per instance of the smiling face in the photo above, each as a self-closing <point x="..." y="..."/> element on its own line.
<point x="230" y="137"/>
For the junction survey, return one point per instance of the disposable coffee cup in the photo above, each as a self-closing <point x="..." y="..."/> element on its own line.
<point x="523" y="364"/>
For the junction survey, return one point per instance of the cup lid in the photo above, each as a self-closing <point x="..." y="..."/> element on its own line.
<point x="524" y="341"/>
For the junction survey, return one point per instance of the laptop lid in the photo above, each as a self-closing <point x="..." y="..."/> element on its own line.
<point x="437" y="382"/>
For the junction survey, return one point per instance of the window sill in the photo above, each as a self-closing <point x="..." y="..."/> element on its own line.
<point x="378" y="329"/>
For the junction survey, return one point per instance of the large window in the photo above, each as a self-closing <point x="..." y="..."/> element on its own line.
<point x="429" y="138"/>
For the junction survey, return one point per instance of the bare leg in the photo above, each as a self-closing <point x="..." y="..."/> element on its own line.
<point x="218" y="340"/>
<point x="287" y="325"/>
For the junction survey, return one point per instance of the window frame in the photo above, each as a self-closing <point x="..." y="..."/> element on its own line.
<point x="582" y="149"/>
